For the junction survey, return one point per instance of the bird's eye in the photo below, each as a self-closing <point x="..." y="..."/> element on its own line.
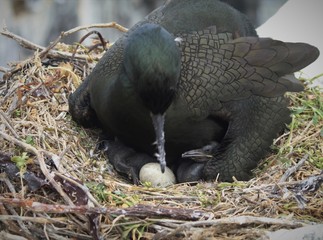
<point x="207" y="149"/>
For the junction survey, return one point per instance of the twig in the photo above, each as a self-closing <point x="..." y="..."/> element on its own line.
<point x="8" y="123"/>
<point x="287" y="174"/>
<point x="231" y="221"/>
<point x="140" y="210"/>
<point x="240" y="220"/>
<point x="280" y="137"/>
<point x="43" y="51"/>
<point x="279" y="184"/>
<point x="48" y="51"/>
<point x="96" y="25"/>
<point x="175" y="198"/>
<point x="41" y="162"/>
<point x="21" y="41"/>
<point x="41" y="220"/>
<point x="3" y="69"/>
<point x="300" y="136"/>
<point x="293" y="169"/>
<point x="103" y="42"/>
<point x="5" y="179"/>
<point x="22" y="226"/>
<point x="8" y="236"/>
<point x="12" y="227"/>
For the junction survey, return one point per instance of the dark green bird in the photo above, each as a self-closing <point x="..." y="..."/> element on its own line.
<point x="191" y="73"/>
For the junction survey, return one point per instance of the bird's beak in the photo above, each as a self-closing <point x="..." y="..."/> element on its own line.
<point x="158" y="122"/>
<point x="198" y="154"/>
<point x="202" y="154"/>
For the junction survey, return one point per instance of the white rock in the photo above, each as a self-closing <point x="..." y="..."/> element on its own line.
<point x="151" y="172"/>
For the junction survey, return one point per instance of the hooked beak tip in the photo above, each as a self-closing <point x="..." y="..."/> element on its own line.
<point x="162" y="168"/>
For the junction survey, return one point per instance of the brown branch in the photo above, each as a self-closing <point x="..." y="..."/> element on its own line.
<point x="103" y="43"/>
<point x="48" y="51"/>
<point x="21" y="41"/>
<point x="96" y="25"/>
<point x="140" y="210"/>
<point x="45" y="51"/>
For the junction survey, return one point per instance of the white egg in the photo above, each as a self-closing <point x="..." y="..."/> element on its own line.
<point x="151" y="172"/>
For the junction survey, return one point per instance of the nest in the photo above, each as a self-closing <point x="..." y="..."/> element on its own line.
<point x="56" y="184"/>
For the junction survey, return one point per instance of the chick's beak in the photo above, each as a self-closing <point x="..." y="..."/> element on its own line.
<point x="158" y="122"/>
<point x="196" y="153"/>
<point x="203" y="154"/>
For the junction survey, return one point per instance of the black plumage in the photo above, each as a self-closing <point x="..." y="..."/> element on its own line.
<point x="199" y="66"/>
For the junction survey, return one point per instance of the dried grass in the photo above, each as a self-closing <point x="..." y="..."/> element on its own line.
<point x="35" y="119"/>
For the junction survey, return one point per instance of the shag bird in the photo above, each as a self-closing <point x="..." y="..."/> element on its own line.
<point x="191" y="73"/>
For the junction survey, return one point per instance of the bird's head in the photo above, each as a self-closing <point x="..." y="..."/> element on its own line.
<point x="203" y="154"/>
<point x="152" y="63"/>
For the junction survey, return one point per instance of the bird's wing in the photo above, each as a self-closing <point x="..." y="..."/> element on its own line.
<point x="217" y="68"/>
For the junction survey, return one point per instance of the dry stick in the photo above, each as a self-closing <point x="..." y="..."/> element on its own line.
<point x="49" y="50"/>
<point x="97" y="25"/>
<point x="29" y="45"/>
<point x="21" y="41"/>
<point x="240" y="220"/>
<point x="32" y="46"/>
<point x="5" y="179"/>
<point x="293" y="169"/>
<point x="8" y="236"/>
<point x="103" y="43"/>
<point x="280" y="137"/>
<point x="247" y="220"/>
<point x="41" y="162"/>
<point x="316" y="134"/>
<point x="289" y="172"/>
<point x="140" y="210"/>
<point x="8" y="123"/>
<point x="271" y="186"/>
<point x="299" y="137"/>
<point x="41" y="220"/>
<point x="22" y="226"/>
<point x="11" y="226"/>
<point x="3" y="69"/>
<point x="9" y="93"/>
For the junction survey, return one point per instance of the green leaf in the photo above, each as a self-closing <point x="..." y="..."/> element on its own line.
<point x="298" y="110"/>
<point x="20" y="161"/>
<point x="30" y="140"/>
